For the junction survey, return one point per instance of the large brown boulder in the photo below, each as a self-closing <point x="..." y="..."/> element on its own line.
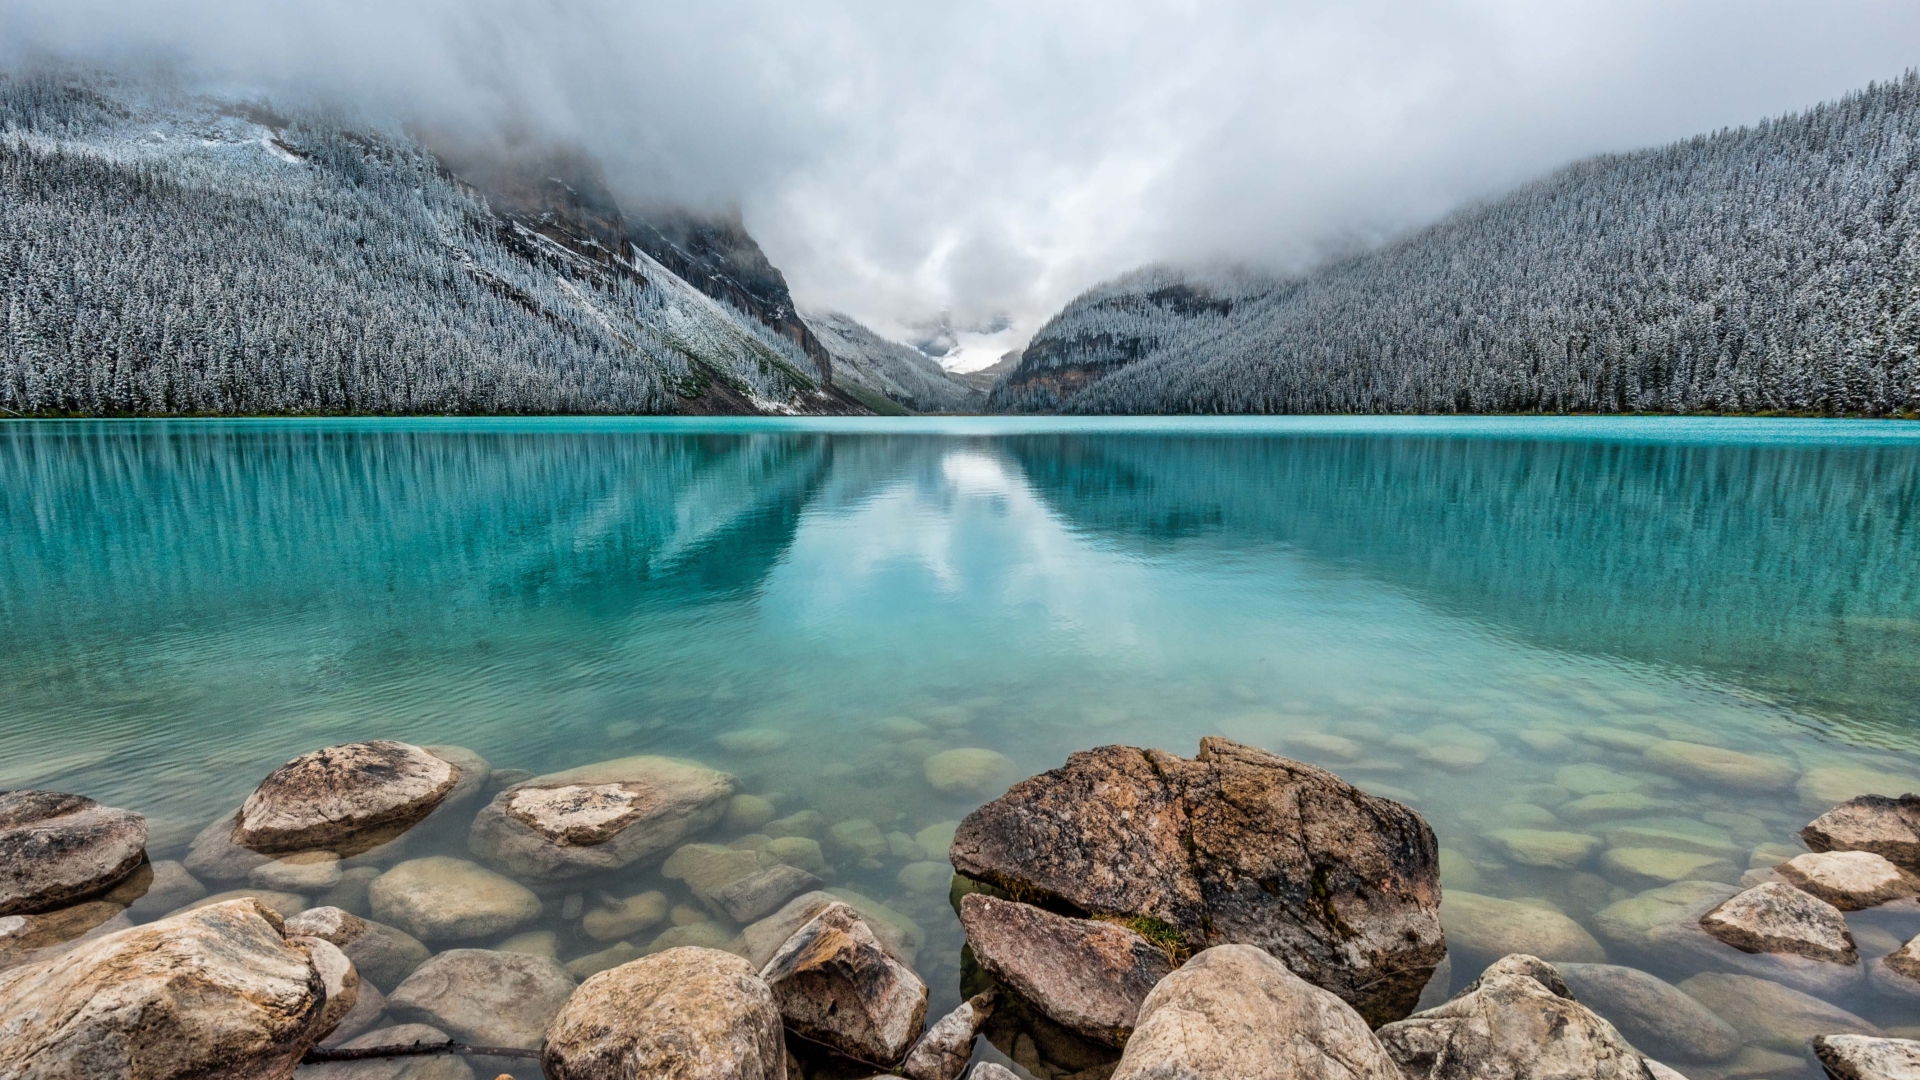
<point x="56" y="849"/>
<point x="1885" y="826"/>
<point x="346" y="798"/>
<point x="598" y="817"/>
<point x="217" y="991"/>
<point x="1234" y="1012"/>
<point x="684" y="1014"/>
<point x="836" y="986"/>
<point x="1518" y="1022"/>
<point x="1235" y="846"/>
<point x="1090" y="977"/>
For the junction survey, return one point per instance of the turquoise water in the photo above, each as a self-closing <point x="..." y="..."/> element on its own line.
<point x="185" y="605"/>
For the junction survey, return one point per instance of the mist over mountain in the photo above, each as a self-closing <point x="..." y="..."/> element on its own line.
<point x="1768" y="268"/>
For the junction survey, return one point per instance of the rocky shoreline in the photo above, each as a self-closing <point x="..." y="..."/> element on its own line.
<point x="1132" y="914"/>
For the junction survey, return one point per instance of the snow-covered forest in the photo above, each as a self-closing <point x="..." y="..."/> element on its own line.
<point x="1769" y="268"/>
<point x="161" y="254"/>
<point x="900" y="373"/>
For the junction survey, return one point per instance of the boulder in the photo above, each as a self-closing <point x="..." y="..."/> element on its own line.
<point x="970" y="771"/>
<point x="1488" y="926"/>
<point x="688" y="1014"/>
<point x="1768" y="1014"/>
<point x="761" y="940"/>
<point x="434" y="1067"/>
<point x="598" y="817"/>
<point x="946" y="1046"/>
<point x="625" y="918"/>
<point x="346" y="798"/>
<point x="213" y="992"/>
<point x="1235" y="846"/>
<point x="708" y="868"/>
<point x="835" y="985"/>
<point x="441" y="898"/>
<point x="1550" y="848"/>
<point x="1718" y="765"/>
<point x="1651" y="1012"/>
<point x="57" y="850"/>
<point x="1885" y="826"/>
<point x="1898" y="972"/>
<point x="1849" y="880"/>
<point x="763" y="892"/>
<point x="485" y="997"/>
<point x="1088" y="976"/>
<point x="1778" y="918"/>
<point x="382" y="954"/>
<point x="990" y="1070"/>
<point x="1862" y="1057"/>
<point x="340" y="984"/>
<point x="1516" y="1021"/>
<point x="1663" y="926"/>
<point x="1234" y="1011"/>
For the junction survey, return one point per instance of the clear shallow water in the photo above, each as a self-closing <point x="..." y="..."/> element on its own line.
<point x="185" y="605"/>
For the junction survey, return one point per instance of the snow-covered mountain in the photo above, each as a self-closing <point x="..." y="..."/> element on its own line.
<point x="864" y="363"/>
<point x="170" y="254"/>
<point x="1773" y="267"/>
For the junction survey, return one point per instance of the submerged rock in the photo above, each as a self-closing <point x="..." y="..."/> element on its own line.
<point x="598" y="817"/>
<point x="688" y="1014"/>
<point x="57" y="850"/>
<point x="1544" y="847"/>
<point x="1849" y="880"/>
<point x="762" y="939"/>
<point x="340" y="983"/>
<point x="1488" y="926"/>
<point x="835" y="985"/>
<point x="482" y="996"/>
<point x="435" y="1067"/>
<point x="1718" y="765"/>
<point x="625" y="918"/>
<point x="763" y="892"/>
<point x="1861" y="1057"/>
<point x="1235" y="1011"/>
<point x="1778" y="918"/>
<point x="943" y="1051"/>
<point x="1885" y="826"/>
<point x="306" y="871"/>
<point x="346" y="798"/>
<point x="170" y="889"/>
<point x="1663" y="925"/>
<point x="1516" y="1021"/>
<point x="1090" y="977"/>
<point x="1898" y="972"/>
<point x="1766" y="1013"/>
<point x="1235" y="846"/>
<point x="213" y="992"/>
<point x="1655" y="1015"/>
<point x="284" y="904"/>
<point x="383" y="954"/>
<point x="970" y="771"/>
<point x="440" y="898"/>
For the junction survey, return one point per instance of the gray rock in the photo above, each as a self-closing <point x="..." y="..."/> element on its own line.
<point x="440" y="898"/>
<point x="1861" y="1057"/>
<point x="1849" y="880"/>
<point x="1885" y="826"/>
<point x="303" y="871"/>
<point x="57" y="850"/>
<point x="475" y="773"/>
<point x="1651" y="1012"/>
<point x="598" y="817"/>
<point x="339" y="981"/>
<point x="1778" y="918"/>
<point x="834" y="984"/>
<point x="1235" y="846"/>
<point x="1663" y="926"/>
<point x="1488" y="926"/>
<point x="1090" y="977"/>
<point x="213" y="856"/>
<point x="1234" y="1011"/>
<point x="216" y="991"/>
<point x="761" y="940"/>
<point x="485" y="997"/>
<point x="947" y="1044"/>
<point x="762" y="893"/>
<point x="346" y="798"/>
<point x="688" y="1014"/>
<point x="437" y="1067"/>
<point x="991" y="1070"/>
<point x="383" y="955"/>
<point x="1516" y="1021"/>
<point x="284" y="904"/>
<point x="170" y="889"/>
<point x="1768" y="1014"/>
<point x="369" y="1009"/>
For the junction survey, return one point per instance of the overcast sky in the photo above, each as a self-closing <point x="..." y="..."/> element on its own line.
<point x="899" y="158"/>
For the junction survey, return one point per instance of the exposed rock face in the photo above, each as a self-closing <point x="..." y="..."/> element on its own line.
<point x="1861" y="1057"/>
<point x="1778" y="918"/>
<point x="1849" y="880"/>
<point x="383" y="955"/>
<point x="1651" y="1012"/>
<point x="687" y="1014"/>
<point x="1234" y="1011"/>
<point x="1885" y="826"/>
<point x="446" y="899"/>
<point x="481" y="996"/>
<point x="345" y="798"/>
<point x="437" y="1067"/>
<point x="1235" y="846"/>
<point x="761" y="893"/>
<point x="1088" y="976"/>
<point x="1517" y="1021"/>
<point x="943" y="1050"/>
<point x="834" y="984"/>
<point x="56" y="850"/>
<point x="1899" y="971"/>
<point x="215" y="992"/>
<point x="1768" y="1014"/>
<point x="598" y="817"/>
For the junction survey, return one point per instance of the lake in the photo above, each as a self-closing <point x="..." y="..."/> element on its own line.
<point x="1490" y="620"/>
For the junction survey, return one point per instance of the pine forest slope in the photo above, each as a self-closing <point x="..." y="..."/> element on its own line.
<point x="1769" y="268"/>
<point x="899" y="373"/>
<point x="163" y="254"/>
